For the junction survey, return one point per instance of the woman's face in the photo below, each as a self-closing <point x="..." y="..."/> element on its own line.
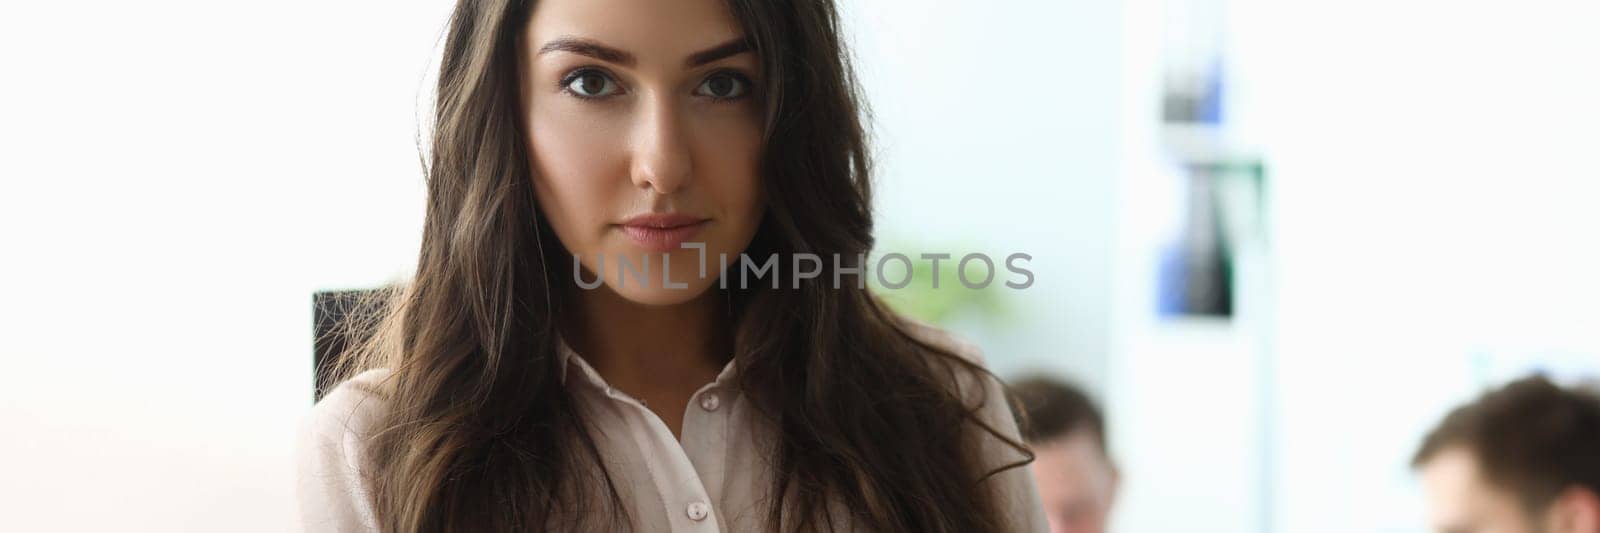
<point x="638" y="109"/>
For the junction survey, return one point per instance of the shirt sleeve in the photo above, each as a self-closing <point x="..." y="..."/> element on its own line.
<point x="1017" y="493"/>
<point x="331" y="493"/>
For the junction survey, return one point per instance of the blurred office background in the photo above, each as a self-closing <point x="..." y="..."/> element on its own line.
<point x="1276" y="239"/>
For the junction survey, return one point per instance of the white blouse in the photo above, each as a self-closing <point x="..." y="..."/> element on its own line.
<point x="713" y="480"/>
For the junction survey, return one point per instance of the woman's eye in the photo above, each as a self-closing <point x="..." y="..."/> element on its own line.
<point x="724" y="87"/>
<point x="590" y="84"/>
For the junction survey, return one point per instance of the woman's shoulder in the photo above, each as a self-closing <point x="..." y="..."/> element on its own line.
<point x="986" y="395"/>
<point x="334" y="430"/>
<point x="941" y="338"/>
<point x="351" y="407"/>
<point x="974" y="383"/>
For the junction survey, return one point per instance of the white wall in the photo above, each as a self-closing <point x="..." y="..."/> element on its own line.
<point x="178" y="177"/>
<point x="998" y="127"/>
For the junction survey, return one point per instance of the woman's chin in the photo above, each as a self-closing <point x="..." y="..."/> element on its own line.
<point x="659" y="293"/>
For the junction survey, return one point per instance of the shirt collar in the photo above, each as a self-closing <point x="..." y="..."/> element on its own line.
<point x="568" y="358"/>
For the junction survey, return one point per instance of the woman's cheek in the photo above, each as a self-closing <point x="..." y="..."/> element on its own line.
<point x="737" y="161"/>
<point x="575" y="166"/>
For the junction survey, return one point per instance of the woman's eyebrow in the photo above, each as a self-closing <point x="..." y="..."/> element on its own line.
<point x="589" y="48"/>
<point x="732" y="47"/>
<point x="594" y="49"/>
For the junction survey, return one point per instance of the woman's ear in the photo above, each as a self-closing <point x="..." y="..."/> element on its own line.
<point x="1575" y="510"/>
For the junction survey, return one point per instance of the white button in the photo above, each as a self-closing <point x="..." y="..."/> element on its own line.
<point x="698" y="511"/>
<point x="709" y="402"/>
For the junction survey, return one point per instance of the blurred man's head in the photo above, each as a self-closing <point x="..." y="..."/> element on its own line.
<point x="1066" y="431"/>
<point x="1524" y="458"/>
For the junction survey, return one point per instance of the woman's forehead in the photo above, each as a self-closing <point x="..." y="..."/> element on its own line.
<point x="649" y="31"/>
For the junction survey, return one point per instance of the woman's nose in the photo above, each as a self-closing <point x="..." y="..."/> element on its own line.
<point x="661" y="159"/>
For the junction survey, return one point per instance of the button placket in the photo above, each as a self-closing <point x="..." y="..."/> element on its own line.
<point x="704" y="433"/>
<point x="687" y="472"/>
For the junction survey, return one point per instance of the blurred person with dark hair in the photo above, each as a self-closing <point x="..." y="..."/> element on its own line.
<point x="1521" y="458"/>
<point x="1076" y="477"/>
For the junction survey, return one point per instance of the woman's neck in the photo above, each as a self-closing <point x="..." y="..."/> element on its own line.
<point x="647" y="350"/>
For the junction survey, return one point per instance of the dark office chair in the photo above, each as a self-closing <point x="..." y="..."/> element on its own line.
<point x="329" y="310"/>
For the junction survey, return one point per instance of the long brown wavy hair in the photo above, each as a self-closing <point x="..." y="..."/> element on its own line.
<point x="479" y="434"/>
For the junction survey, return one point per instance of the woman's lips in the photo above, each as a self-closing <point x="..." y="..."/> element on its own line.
<point x="662" y="233"/>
